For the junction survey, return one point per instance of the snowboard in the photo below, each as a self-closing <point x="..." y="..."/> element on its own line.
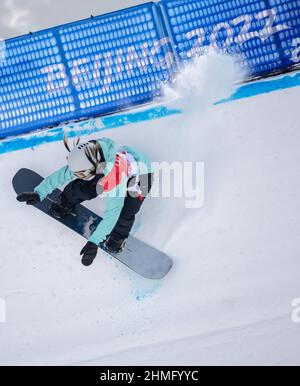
<point x="137" y="255"/>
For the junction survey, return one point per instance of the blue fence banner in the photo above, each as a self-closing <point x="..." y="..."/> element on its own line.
<point x="288" y="13"/>
<point x="116" y="61"/>
<point x="263" y="34"/>
<point x="83" y="69"/>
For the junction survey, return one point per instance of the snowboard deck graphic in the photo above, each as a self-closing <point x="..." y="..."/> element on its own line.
<point x="137" y="255"/>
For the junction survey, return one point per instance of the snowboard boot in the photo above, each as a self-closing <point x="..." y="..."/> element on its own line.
<point x="59" y="211"/>
<point x="114" y="245"/>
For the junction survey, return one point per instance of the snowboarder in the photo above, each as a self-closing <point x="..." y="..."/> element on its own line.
<point x="97" y="168"/>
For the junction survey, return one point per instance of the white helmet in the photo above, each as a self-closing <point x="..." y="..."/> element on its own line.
<point x="85" y="158"/>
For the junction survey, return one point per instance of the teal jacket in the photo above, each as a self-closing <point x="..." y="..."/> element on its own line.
<point x="115" y="197"/>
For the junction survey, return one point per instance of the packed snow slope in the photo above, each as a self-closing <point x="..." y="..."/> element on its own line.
<point x="237" y="261"/>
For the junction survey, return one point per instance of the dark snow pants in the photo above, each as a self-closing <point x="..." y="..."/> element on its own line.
<point x="79" y="191"/>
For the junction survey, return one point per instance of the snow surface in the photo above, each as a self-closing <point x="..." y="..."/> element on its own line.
<point x="237" y="262"/>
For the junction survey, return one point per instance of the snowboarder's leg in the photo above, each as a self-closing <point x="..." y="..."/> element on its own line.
<point x="75" y="193"/>
<point x="132" y="205"/>
<point x="79" y="190"/>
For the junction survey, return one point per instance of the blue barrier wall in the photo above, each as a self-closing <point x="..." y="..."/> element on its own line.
<point x="288" y="13"/>
<point x="261" y="33"/>
<point x="87" y="68"/>
<point x="105" y="64"/>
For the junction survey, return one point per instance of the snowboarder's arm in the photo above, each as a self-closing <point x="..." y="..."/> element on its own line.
<point x="55" y="180"/>
<point x="114" y="206"/>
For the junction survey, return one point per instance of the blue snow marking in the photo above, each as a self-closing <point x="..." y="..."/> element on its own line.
<point x="83" y="128"/>
<point x="146" y="292"/>
<point x="264" y="87"/>
<point x="116" y="121"/>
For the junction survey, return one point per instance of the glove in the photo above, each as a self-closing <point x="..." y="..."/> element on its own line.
<point x="89" y="253"/>
<point x="31" y="198"/>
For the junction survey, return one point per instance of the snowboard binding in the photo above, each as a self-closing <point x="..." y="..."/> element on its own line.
<point x="58" y="211"/>
<point x="113" y="245"/>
